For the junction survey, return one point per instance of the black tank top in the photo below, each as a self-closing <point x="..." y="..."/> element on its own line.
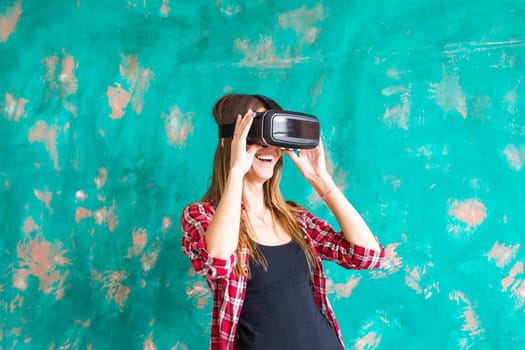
<point x="279" y="310"/>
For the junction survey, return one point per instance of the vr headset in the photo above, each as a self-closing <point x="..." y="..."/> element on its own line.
<point x="284" y="129"/>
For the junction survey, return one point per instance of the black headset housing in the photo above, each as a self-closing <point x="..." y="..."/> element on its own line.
<point x="276" y="127"/>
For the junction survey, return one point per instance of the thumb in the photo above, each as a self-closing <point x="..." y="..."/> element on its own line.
<point x="293" y="156"/>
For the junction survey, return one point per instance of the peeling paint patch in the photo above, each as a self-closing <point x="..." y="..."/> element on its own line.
<point x="511" y="99"/>
<point x="102" y="177"/>
<point x="198" y="290"/>
<point x="60" y="78"/>
<point x="518" y="292"/>
<point x="167" y="224"/>
<point x="44" y="260"/>
<point x="112" y="283"/>
<point x="510" y="279"/>
<point x="177" y="125"/>
<point x="102" y="215"/>
<point x="30" y="225"/>
<point x="316" y="91"/>
<point x="514" y="283"/>
<point x="344" y="290"/>
<point x="16" y="303"/>
<point x="118" y="101"/>
<point x="263" y="54"/>
<point x="149" y="345"/>
<point x="149" y="257"/>
<point x="165" y="8"/>
<point x="471" y="325"/>
<point x="449" y="95"/>
<point x="414" y="280"/>
<point x="515" y="156"/>
<point x="229" y="10"/>
<point x="138" y="80"/>
<point x="9" y="20"/>
<point x="5" y="182"/>
<point x="368" y="342"/>
<point x="41" y="132"/>
<point x="398" y="114"/>
<point x="80" y="195"/>
<point x="393" y="73"/>
<point x="179" y="346"/>
<point x="137" y="83"/>
<point x="14" y="108"/>
<point x="502" y="254"/>
<point x="470" y="212"/>
<point x="84" y="324"/>
<point x="302" y="22"/>
<point x="393" y="181"/>
<point x="107" y="215"/>
<point x="391" y="264"/>
<point x="140" y="238"/>
<point x="44" y="197"/>
<point x="82" y="213"/>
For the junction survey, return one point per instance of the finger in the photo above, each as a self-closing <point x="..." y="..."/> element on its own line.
<point x="249" y="113"/>
<point x="293" y="156"/>
<point x="246" y="124"/>
<point x="319" y="149"/>
<point x="238" y="122"/>
<point x="304" y="153"/>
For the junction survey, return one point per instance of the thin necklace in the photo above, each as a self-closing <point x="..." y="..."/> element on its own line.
<point x="260" y="217"/>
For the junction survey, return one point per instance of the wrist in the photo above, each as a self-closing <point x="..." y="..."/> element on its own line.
<point x="323" y="184"/>
<point x="325" y="194"/>
<point x="236" y="174"/>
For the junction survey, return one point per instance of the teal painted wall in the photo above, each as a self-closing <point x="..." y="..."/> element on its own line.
<point x="106" y="133"/>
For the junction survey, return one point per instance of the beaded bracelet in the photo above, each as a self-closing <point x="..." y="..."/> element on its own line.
<point x="323" y="196"/>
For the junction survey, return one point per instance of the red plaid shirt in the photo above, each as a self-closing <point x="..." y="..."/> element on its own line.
<point x="229" y="290"/>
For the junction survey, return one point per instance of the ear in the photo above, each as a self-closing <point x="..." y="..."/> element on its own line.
<point x="222" y="143"/>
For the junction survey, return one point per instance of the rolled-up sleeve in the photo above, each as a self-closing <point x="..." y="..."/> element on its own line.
<point x="194" y="223"/>
<point x="333" y="246"/>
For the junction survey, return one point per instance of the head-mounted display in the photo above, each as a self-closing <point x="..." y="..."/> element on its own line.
<point x="285" y="129"/>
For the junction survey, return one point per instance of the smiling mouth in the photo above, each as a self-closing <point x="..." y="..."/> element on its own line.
<point x="264" y="158"/>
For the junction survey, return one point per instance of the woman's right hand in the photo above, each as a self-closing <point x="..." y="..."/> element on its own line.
<point x="222" y="234"/>
<point x="241" y="156"/>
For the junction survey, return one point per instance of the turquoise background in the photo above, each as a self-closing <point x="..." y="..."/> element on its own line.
<point x="106" y="134"/>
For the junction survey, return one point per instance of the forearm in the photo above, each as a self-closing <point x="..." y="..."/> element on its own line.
<point x="354" y="228"/>
<point x="222" y="234"/>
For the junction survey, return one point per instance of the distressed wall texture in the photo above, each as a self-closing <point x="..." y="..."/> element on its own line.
<point x="106" y="133"/>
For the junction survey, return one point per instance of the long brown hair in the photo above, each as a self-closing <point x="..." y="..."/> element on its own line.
<point x="225" y="111"/>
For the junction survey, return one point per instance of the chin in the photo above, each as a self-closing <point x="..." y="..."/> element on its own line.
<point x="260" y="175"/>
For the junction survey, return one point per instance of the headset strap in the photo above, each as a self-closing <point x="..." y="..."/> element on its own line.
<point x="268" y="102"/>
<point x="226" y="130"/>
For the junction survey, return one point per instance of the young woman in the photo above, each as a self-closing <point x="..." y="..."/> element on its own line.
<point x="260" y="255"/>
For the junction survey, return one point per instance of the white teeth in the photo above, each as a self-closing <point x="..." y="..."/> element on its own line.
<point x="265" y="158"/>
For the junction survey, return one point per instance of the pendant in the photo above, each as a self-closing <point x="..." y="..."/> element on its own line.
<point x="262" y="218"/>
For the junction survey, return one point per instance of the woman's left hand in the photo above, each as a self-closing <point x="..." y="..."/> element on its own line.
<point x="310" y="162"/>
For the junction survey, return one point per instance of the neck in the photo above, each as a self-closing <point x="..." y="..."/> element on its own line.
<point x="254" y="197"/>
